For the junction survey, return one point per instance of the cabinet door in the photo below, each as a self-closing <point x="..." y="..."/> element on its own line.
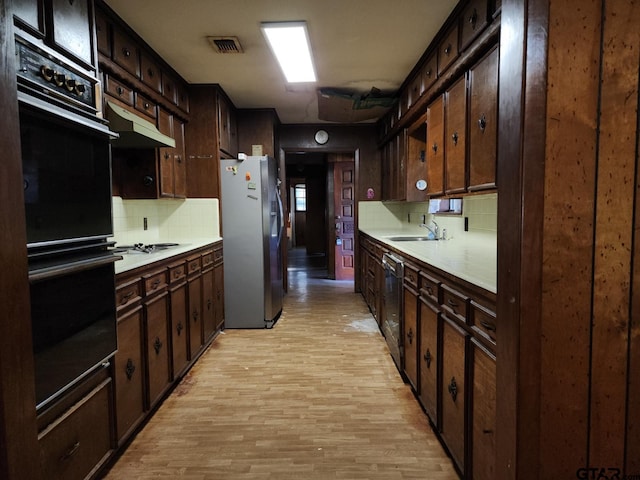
<point x="179" y="334"/>
<point x="129" y="373"/>
<point x="218" y="285"/>
<point x="30" y="14"/>
<point x="435" y="147"/>
<point x="483" y="415"/>
<point x="165" y="125"/>
<point x="208" y="304"/>
<point x="401" y="166"/>
<point x="103" y="34"/>
<point x="429" y="320"/>
<point x="150" y="72"/>
<point x="72" y="28"/>
<point x="195" y="316"/>
<point x="483" y="122"/>
<point x="157" y="347"/>
<point x="410" y="335"/>
<point x="455" y="136"/>
<point x="224" y="126"/>
<point x="125" y="52"/>
<point x="453" y="390"/>
<point x="179" y="164"/>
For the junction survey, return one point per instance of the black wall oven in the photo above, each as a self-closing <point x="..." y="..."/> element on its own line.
<point x="66" y="157"/>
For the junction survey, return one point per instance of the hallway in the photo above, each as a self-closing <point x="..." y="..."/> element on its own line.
<point x="316" y="397"/>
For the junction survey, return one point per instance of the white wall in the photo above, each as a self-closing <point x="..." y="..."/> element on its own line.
<point x="168" y="220"/>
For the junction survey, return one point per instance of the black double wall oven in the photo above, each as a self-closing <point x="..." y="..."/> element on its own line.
<point x="66" y="161"/>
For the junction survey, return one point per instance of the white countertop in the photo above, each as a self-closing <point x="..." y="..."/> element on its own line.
<point x="139" y="259"/>
<point x="471" y="257"/>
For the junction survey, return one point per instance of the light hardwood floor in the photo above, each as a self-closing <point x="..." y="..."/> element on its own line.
<point x="316" y="397"/>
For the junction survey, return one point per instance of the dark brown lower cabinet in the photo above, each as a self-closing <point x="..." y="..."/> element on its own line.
<point x="410" y="330"/>
<point x="194" y="293"/>
<point x="208" y="303"/>
<point x="453" y="390"/>
<point x="483" y="412"/>
<point x="77" y="443"/>
<point x="179" y="334"/>
<point x="157" y="347"/>
<point x="129" y="373"/>
<point x="218" y="285"/>
<point x="429" y="363"/>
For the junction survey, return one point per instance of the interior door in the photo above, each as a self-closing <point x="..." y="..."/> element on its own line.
<point x="342" y="234"/>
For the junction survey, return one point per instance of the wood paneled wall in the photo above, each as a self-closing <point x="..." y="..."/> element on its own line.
<point x="578" y="314"/>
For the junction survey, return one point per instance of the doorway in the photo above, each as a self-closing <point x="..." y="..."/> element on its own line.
<point x="320" y="200"/>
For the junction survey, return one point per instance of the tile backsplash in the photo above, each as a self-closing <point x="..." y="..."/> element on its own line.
<point x="481" y="212"/>
<point x="166" y="220"/>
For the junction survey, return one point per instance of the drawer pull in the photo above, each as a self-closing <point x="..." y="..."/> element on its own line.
<point x="447" y="50"/>
<point x="489" y="326"/>
<point x="435" y="148"/>
<point x="209" y="304"/>
<point x="195" y="315"/>
<point x="155" y="284"/>
<point x="410" y="336"/>
<point x="129" y="369"/>
<point x="454" y="137"/>
<point x="146" y="106"/>
<point x="71" y="452"/>
<point x="428" y="73"/>
<point x="473" y="19"/>
<point x="430" y="290"/>
<point x="120" y="90"/>
<point x="177" y="273"/>
<point x="482" y="122"/>
<point x="157" y="345"/>
<point x="427" y="358"/>
<point x="179" y="328"/>
<point x="453" y="388"/>
<point x="125" y="298"/>
<point x="452" y="304"/>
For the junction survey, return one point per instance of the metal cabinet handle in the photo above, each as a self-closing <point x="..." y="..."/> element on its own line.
<point x="428" y="73"/>
<point x="155" y="284"/>
<point x="126" y="297"/>
<point x="427" y="358"/>
<point x="482" y="122"/>
<point x="195" y="315"/>
<point x="129" y="369"/>
<point x="157" y="345"/>
<point x="120" y="90"/>
<point x="209" y="304"/>
<point x="454" y="137"/>
<point x="453" y="388"/>
<point x="410" y="336"/>
<point x="447" y="50"/>
<point x="70" y="452"/>
<point x="435" y="148"/>
<point x="452" y="304"/>
<point x="473" y="19"/>
<point x="489" y="326"/>
<point x="126" y="52"/>
<point x="179" y="328"/>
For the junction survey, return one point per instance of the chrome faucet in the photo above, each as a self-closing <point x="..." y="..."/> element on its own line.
<point x="435" y="231"/>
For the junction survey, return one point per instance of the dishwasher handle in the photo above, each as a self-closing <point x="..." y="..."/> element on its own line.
<point x="394" y="264"/>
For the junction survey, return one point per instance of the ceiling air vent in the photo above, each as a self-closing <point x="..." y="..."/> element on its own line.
<point x="225" y="44"/>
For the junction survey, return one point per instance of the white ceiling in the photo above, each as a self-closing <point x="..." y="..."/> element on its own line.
<point x="357" y="45"/>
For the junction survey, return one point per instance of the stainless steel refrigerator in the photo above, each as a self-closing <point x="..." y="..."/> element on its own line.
<point x="252" y="229"/>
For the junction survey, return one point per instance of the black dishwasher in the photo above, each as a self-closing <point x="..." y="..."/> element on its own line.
<point x="392" y="321"/>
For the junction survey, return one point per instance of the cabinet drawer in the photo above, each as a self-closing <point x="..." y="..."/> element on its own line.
<point x="455" y="304"/>
<point x="177" y="272"/>
<point x="127" y="294"/>
<point x="448" y="50"/>
<point x="430" y="288"/>
<point x="118" y="90"/>
<point x="483" y="321"/>
<point x="411" y="275"/>
<point x="150" y="73"/>
<point x="473" y="21"/>
<point x="125" y="52"/>
<point x="155" y="282"/>
<point x="72" y="446"/>
<point x="207" y="259"/>
<point x="415" y="90"/>
<point x="146" y="106"/>
<point x="193" y="265"/>
<point x="218" y="255"/>
<point x="429" y="72"/>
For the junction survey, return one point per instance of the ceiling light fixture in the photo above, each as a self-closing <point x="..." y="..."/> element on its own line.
<point x="289" y="42"/>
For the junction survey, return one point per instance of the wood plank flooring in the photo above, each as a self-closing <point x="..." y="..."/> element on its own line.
<point x="316" y="397"/>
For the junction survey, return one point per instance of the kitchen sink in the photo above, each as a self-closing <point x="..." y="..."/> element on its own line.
<point x="411" y="239"/>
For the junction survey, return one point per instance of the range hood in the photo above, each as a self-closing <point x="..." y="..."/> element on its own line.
<point x="135" y="132"/>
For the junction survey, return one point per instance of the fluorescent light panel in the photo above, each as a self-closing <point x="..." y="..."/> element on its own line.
<point x="289" y="42"/>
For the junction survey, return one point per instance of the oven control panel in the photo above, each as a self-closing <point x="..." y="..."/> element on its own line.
<point x="48" y="75"/>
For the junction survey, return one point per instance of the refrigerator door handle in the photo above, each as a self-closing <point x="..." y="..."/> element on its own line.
<point x="280" y="216"/>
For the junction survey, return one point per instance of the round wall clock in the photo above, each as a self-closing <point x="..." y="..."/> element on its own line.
<point x="321" y="137"/>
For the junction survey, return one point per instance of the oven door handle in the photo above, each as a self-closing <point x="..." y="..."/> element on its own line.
<point x="72" y="267"/>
